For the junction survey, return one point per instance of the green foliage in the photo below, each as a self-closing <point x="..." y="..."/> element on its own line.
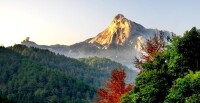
<point x="35" y="75"/>
<point x="106" y="66"/>
<point x="167" y="78"/>
<point x="149" y="88"/>
<point x="101" y="63"/>
<point x="189" y="47"/>
<point x="93" y="71"/>
<point x="195" y="98"/>
<point x="24" y="80"/>
<point x="185" y="89"/>
<point x="4" y="99"/>
<point x="129" y="97"/>
<point x="175" y="61"/>
<point x="183" y="54"/>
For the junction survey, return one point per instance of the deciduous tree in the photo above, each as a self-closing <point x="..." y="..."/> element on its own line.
<point x="115" y="88"/>
<point x="150" y="48"/>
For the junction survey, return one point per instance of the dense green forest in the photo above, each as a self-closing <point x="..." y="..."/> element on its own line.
<point x="33" y="75"/>
<point x="107" y="66"/>
<point x="24" y="80"/>
<point x="173" y="76"/>
<point x="80" y="69"/>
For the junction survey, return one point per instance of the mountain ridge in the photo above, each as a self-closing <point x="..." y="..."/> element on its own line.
<point x="118" y="42"/>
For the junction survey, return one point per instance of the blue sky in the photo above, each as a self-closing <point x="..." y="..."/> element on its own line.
<point x="69" y="21"/>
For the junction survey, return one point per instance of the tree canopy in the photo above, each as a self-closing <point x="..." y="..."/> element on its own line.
<point x="172" y="76"/>
<point x="24" y="80"/>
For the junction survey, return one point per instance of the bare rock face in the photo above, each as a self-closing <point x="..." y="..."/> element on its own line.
<point x="138" y="46"/>
<point x="117" y="32"/>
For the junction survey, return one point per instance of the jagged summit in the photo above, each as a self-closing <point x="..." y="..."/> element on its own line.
<point x="116" y="33"/>
<point x="121" y="32"/>
<point x="118" y="16"/>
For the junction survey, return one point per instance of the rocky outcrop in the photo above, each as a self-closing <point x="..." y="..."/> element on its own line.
<point x="116" y="33"/>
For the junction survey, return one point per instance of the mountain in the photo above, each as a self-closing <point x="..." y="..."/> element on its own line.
<point x="120" y="32"/>
<point x="119" y="42"/>
<point x="117" y="33"/>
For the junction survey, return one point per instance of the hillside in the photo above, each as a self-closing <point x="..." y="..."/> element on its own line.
<point x="36" y="72"/>
<point x="75" y="68"/>
<point x="108" y="65"/>
<point x="24" y="80"/>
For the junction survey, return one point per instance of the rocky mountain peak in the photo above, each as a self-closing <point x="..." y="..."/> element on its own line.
<point x="116" y="33"/>
<point x="118" y="17"/>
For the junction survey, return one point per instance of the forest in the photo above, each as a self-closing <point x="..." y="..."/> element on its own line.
<point x="34" y="75"/>
<point x="169" y="73"/>
<point x="25" y="80"/>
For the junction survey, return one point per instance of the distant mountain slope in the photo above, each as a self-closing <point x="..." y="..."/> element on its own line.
<point x="24" y="80"/>
<point x="107" y="65"/>
<point x="117" y="42"/>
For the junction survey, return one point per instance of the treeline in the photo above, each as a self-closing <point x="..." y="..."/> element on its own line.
<point x="171" y="74"/>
